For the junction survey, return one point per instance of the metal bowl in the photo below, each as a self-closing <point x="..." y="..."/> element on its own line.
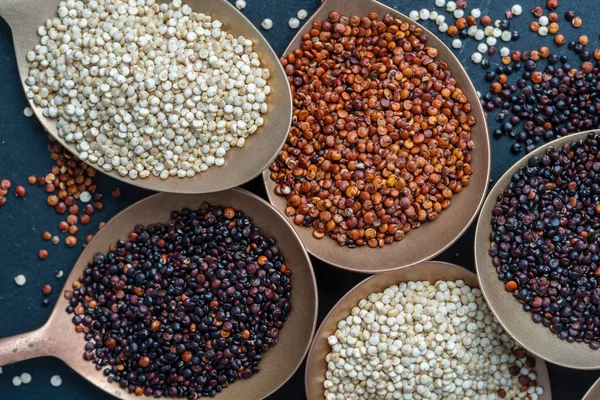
<point x="431" y="271"/>
<point x="431" y="238"/>
<point x="241" y="165"/>
<point x="58" y="338"/>
<point x="594" y="392"/>
<point x="536" y="338"/>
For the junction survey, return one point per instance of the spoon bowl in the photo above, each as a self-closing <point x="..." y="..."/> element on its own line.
<point x="241" y="165"/>
<point x="594" y="392"/>
<point x="431" y="238"/>
<point x="58" y="338"/>
<point x="536" y="338"/>
<point x="431" y="271"/>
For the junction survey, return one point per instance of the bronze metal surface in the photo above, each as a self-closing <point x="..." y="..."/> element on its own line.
<point x="431" y="238"/>
<point x="58" y="338"/>
<point x="431" y="271"/>
<point x="241" y="165"/>
<point x="534" y="337"/>
<point x="594" y="392"/>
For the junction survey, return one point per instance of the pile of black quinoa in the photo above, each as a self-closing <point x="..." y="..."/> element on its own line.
<point x="545" y="240"/>
<point x="185" y="308"/>
<point x="546" y="102"/>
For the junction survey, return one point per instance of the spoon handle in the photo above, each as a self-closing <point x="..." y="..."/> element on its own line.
<point x="24" y="346"/>
<point x="9" y="10"/>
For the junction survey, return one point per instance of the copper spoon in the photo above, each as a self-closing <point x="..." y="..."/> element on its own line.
<point x="594" y="392"/>
<point x="431" y="238"/>
<point x="241" y="165"/>
<point x="536" y="338"/>
<point x="57" y="338"/>
<point x="431" y="271"/>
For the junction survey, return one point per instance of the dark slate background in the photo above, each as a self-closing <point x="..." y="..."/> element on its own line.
<point x="23" y="153"/>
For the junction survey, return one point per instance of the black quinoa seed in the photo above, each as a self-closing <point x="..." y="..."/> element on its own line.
<point x="185" y="308"/>
<point x="545" y="240"/>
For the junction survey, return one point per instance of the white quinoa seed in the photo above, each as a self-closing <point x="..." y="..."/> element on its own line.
<point x="150" y="89"/>
<point x="294" y="23"/>
<point x="56" y="381"/>
<point x="440" y="3"/>
<point x="457" y="43"/>
<point x="28" y="112"/>
<point x="458" y="13"/>
<point x="20" y="280"/>
<point x="16" y="381"/>
<point x="543" y="31"/>
<point x="302" y="14"/>
<point x="414" y="15"/>
<point x="25" y="377"/>
<point x="517" y="9"/>
<point x="451" y="6"/>
<point x="424" y="14"/>
<point x="240" y="4"/>
<point x="476" y="57"/>
<point x="59" y="273"/>
<point x="476" y="13"/>
<point x="266" y="24"/>
<point x="85" y="197"/>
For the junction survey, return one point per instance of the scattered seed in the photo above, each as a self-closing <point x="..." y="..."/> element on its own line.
<point x="47" y="290"/>
<point x="266" y="24"/>
<point x="85" y="197"/>
<point x="20" y="280"/>
<point x="294" y="23"/>
<point x="577" y="22"/>
<point x="56" y="381"/>
<point x="43" y="254"/>
<point x="71" y="241"/>
<point x="55" y="239"/>
<point x="28" y="112"/>
<point x="570" y="16"/>
<point x="2" y="201"/>
<point x="302" y="14"/>
<point x="517" y="9"/>
<point x="240" y="4"/>
<point x="58" y="273"/>
<point x="476" y="57"/>
<point x="25" y="378"/>
<point x="20" y="191"/>
<point x="16" y="381"/>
